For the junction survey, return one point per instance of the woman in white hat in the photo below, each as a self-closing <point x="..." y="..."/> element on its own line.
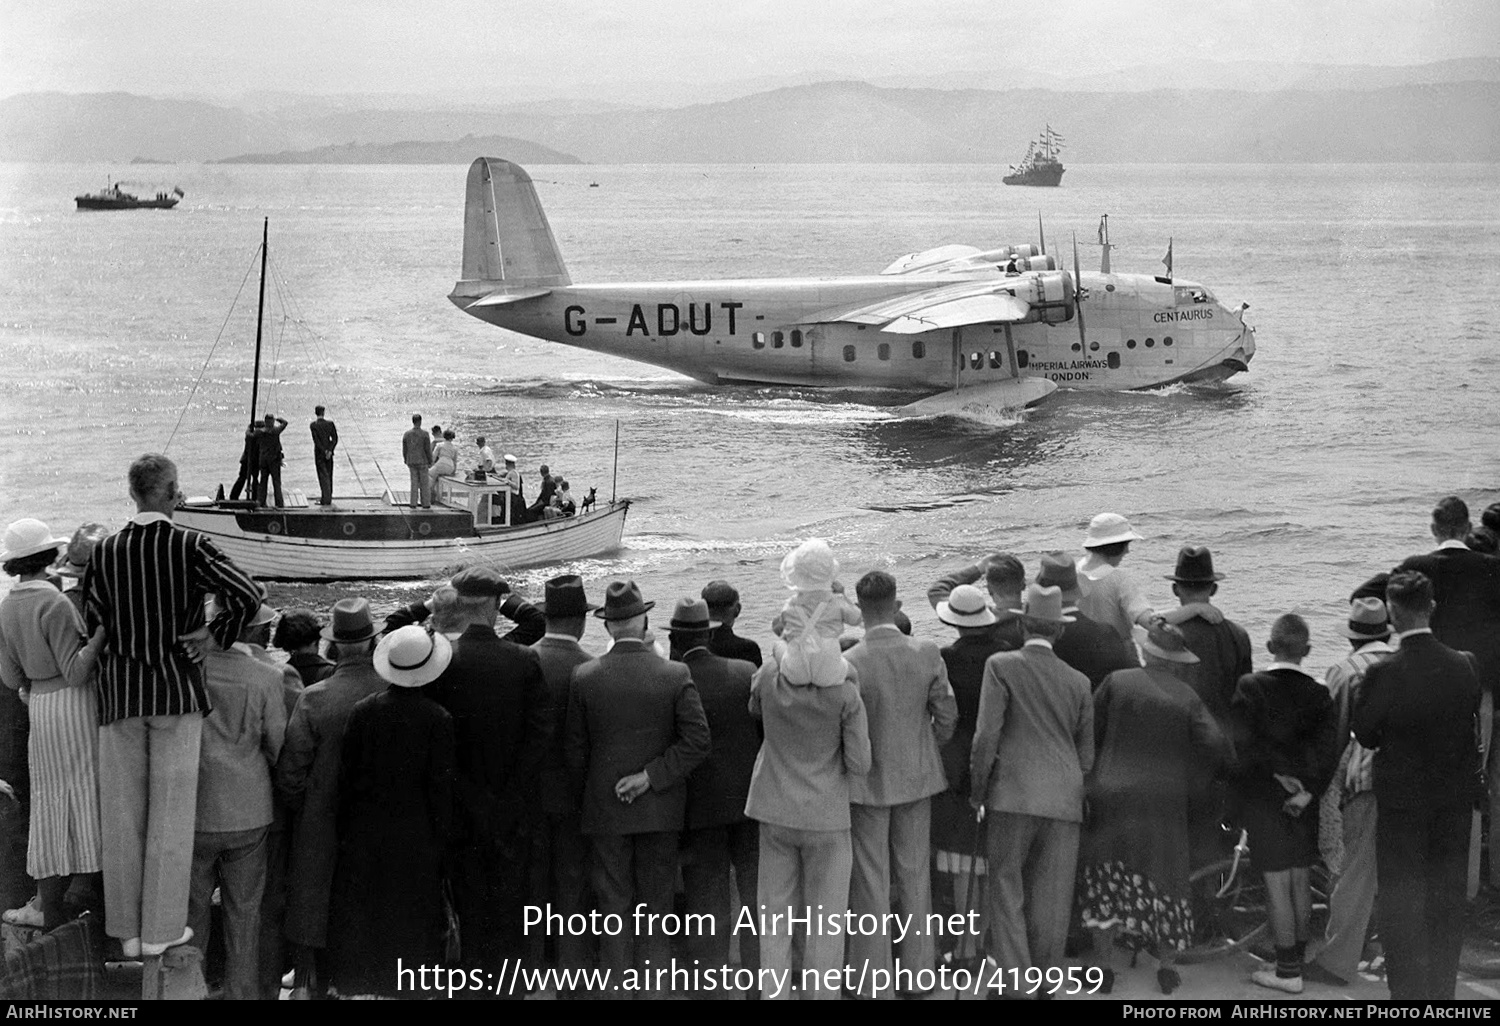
<point x="955" y="834"/>
<point x="46" y="657"/>
<point x="395" y="806"/>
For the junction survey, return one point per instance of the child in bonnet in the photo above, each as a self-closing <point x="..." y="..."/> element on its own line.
<point x="812" y="619"/>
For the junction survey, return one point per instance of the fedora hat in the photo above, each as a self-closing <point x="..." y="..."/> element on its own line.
<point x="564" y="596"/>
<point x="1059" y="572"/>
<point x="1042" y="603"/>
<point x="1368" y="619"/>
<point x="412" y="656"/>
<point x="691" y="614"/>
<point x="80" y="548"/>
<point x="1166" y="642"/>
<point x="27" y="538"/>
<point x="351" y="622"/>
<point x="622" y="600"/>
<point x="965" y="607"/>
<point x="1108" y="529"/>
<point x="1195" y="565"/>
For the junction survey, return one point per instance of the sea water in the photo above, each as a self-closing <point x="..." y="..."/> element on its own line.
<point x="1372" y="394"/>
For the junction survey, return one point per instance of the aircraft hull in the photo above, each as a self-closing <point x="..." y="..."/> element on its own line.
<point x="766" y="331"/>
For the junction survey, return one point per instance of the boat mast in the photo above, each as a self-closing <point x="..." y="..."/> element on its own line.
<point x="259" y="313"/>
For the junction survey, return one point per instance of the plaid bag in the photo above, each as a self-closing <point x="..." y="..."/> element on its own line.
<point x="64" y="965"/>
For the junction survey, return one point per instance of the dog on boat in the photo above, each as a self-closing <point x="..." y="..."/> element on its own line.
<point x="588" y="502"/>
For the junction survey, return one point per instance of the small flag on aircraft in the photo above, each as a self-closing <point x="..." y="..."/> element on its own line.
<point x="1168" y="258"/>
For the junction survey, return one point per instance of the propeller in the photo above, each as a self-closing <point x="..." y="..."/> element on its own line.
<point x="1078" y="292"/>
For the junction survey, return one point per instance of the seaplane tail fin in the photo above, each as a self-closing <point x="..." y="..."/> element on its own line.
<point x="507" y="240"/>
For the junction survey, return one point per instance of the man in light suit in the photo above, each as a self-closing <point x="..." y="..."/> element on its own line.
<point x="560" y="853"/>
<point x="719" y="836"/>
<point x="911" y="710"/>
<point x="635" y="731"/>
<point x="1033" y="743"/>
<point x="1420" y="710"/>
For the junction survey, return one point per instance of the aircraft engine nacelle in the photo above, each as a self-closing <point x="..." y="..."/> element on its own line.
<point x="1038" y="263"/>
<point x="1053" y="297"/>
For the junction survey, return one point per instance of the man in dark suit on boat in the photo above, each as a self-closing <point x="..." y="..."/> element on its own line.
<point x="249" y="466"/>
<point x="636" y="729"/>
<point x="325" y="438"/>
<point x="416" y="451"/>
<point x="268" y="448"/>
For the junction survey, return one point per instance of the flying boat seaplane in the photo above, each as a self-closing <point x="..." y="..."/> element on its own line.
<point x="977" y="330"/>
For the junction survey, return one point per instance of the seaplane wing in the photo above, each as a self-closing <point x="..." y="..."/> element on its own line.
<point x="932" y="259"/>
<point x="948" y="306"/>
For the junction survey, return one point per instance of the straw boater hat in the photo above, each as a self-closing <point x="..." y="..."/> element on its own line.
<point x="622" y="601"/>
<point x="1108" y="529"/>
<point x="27" y="538"/>
<point x="80" y="548"/>
<point x="691" y="614"/>
<point x="1041" y="603"/>
<point x="1166" y="642"/>
<point x="565" y="597"/>
<point x="411" y="656"/>
<point x="1368" y="619"/>
<point x="966" y="607"/>
<point x="1195" y="565"/>
<point x="1059" y="572"/>
<point x="351" y="622"/>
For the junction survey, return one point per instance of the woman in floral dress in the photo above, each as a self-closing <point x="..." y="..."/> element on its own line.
<point x="1155" y="738"/>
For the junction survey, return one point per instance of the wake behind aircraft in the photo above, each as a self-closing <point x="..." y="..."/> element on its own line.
<point x="976" y="330"/>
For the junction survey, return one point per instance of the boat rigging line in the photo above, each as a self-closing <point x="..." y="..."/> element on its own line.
<point x="204" y="369"/>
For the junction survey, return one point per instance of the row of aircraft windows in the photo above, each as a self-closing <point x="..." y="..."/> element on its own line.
<point x="919" y="349"/>
<point x="778" y="339"/>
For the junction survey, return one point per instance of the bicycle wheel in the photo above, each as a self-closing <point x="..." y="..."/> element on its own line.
<point x="1229" y="910"/>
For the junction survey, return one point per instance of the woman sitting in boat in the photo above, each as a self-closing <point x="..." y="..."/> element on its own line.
<point x="444" y="458"/>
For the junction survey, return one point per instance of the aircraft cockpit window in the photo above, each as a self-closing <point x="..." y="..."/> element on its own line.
<point x="883" y="351"/>
<point x="918" y="349"/>
<point x="848" y="354"/>
<point x="758" y="340"/>
<point x="995" y="361"/>
<point x="1184" y="295"/>
<point x="778" y="339"/>
<point x="796" y="338"/>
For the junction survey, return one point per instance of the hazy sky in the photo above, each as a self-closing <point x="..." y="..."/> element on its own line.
<point x="493" y="48"/>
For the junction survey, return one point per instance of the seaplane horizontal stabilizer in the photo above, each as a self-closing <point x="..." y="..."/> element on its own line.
<point x="988" y="402"/>
<point x="973" y="310"/>
<point x="503" y="297"/>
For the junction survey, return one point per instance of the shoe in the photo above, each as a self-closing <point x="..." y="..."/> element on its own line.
<point x="1285" y="984"/>
<point x="1313" y="972"/>
<point x="29" y="914"/>
<point x="156" y="950"/>
<point x="1169" y="979"/>
<point x="130" y="947"/>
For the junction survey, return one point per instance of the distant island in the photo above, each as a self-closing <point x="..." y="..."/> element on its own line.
<point x="461" y="151"/>
<point x="147" y="160"/>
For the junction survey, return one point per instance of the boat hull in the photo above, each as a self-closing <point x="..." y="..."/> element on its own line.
<point x="93" y="203"/>
<point x="292" y="555"/>
<point x="1045" y="176"/>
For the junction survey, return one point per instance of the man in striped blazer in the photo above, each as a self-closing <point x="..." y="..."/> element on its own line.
<point x="146" y="587"/>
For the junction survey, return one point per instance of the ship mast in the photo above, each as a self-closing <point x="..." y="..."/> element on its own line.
<point x="259" y="314"/>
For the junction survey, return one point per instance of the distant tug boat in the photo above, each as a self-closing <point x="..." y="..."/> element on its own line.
<point x="386" y="537"/>
<point x="1040" y="165"/>
<point x="112" y="197"/>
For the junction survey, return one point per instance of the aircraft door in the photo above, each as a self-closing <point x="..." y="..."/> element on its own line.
<point x="982" y="354"/>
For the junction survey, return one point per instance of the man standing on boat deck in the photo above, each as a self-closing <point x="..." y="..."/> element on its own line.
<point x="325" y="438"/>
<point x="268" y="441"/>
<point x="416" y="450"/>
